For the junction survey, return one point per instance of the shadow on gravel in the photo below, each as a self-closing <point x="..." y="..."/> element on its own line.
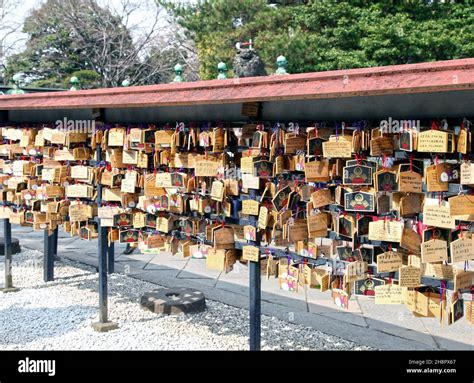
<point x="21" y="325"/>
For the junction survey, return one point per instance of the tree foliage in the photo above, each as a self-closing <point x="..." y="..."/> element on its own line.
<point x="328" y="34"/>
<point x="67" y="37"/>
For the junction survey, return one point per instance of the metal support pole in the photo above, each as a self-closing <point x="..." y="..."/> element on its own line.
<point x="48" y="266"/>
<point x="103" y="274"/>
<point x="255" y="291"/>
<point x="55" y="242"/>
<point x="111" y="258"/>
<point x="7" y="243"/>
<point x="103" y="325"/>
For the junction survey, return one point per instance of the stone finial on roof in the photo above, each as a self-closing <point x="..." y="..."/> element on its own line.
<point x="247" y="63"/>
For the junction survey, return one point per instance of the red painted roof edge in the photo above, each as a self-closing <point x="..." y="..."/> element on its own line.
<point x="380" y="80"/>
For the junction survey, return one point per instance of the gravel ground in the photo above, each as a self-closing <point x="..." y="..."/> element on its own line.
<point x="58" y="316"/>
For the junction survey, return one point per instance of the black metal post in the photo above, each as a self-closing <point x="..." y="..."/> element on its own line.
<point x="103" y="274"/>
<point x="48" y="266"/>
<point x="103" y="324"/>
<point x="255" y="290"/>
<point x="7" y="243"/>
<point x="111" y="258"/>
<point x="55" y="242"/>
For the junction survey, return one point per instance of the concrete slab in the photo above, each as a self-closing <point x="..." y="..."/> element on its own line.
<point x="175" y="265"/>
<point x="319" y="302"/>
<point x="169" y="273"/>
<point x="186" y="275"/>
<point x="233" y="287"/>
<point x="355" y="319"/>
<point x="458" y="336"/>
<point x="159" y="262"/>
<point x="104" y="327"/>
<point x="198" y="268"/>
<point x="144" y="258"/>
<point x="271" y="292"/>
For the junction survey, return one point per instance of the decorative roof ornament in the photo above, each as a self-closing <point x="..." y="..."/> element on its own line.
<point x="16" y="85"/>
<point x="222" y="69"/>
<point x="178" y="70"/>
<point x="247" y="62"/>
<point x="281" y="63"/>
<point x="75" y="83"/>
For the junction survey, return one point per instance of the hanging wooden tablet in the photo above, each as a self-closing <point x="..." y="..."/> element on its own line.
<point x="250" y="207"/>
<point x="433" y="141"/>
<point x="280" y="200"/>
<point x="123" y="219"/>
<point x="250" y="233"/>
<point x="406" y="141"/>
<point x="362" y="225"/>
<point x="129" y="236"/>
<point x="409" y="182"/>
<point x="263" y="168"/>
<point x="434" y="250"/>
<point x="337" y="148"/>
<point x="294" y="143"/>
<point x="461" y="205"/>
<point x="263" y="218"/>
<point x="417" y="302"/>
<point x="410" y="204"/>
<point x="297" y="230"/>
<point x="321" y="197"/>
<point x="116" y="137"/>
<point x="345" y="226"/>
<point x="462" y="250"/>
<point x="409" y="276"/>
<point x="346" y="254"/>
<point x="433" y="183"/>
<point x="381" y="146"/>
<point x="411" y="241"/>
<point x="317" y="224"/>
<point x="314" y="146"/>
<point x="386" y="180"/>
<point x="456" y="309"/>
<point x="316" y="171"/>
<point x="163" y="137"/>
<point x="357" y="175"/>
<point x="355" y="271"/>
<point x="384" y="203"/>
<point x="206" y="168"/>
<point x="293" y="200"/>
<point x="437" y="214"/>
<point x="463" y="280"/>
<point x="223" y="238"/>
<point x="385" y="230"/>
<point x="359" y="201"/>
<point x="469" y="311"/>
<point x="467" y="173"/>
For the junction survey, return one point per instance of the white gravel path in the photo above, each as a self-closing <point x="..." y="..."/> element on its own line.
<point x="58" y="316"/>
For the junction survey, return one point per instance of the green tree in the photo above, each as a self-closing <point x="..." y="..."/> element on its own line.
<point x="68" y="37"/>
<point x="328" y="34"/>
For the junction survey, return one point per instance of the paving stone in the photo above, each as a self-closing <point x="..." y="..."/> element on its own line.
<point x="169" y="272"/>
<point x="198" y="268"/>
<point x="233" y="287"/>
<point x="458" y="336"/>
